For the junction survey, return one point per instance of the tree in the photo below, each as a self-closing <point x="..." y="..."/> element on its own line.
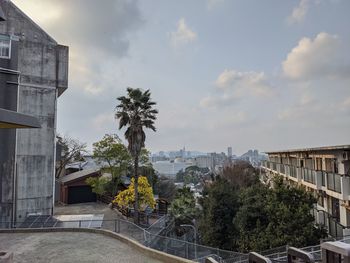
<point x="220" y="205"/>
<point x="98" y="184"/>
<point x="136" y="112"/>
<point x="165" y="188"/>
<point x="70" y="150"/>
<point x="183" y="207"/>
<point x="112" y="154"/>
<point x="264" y="218"/>
<point x="127" y="198"/>
<point x="240" y="174"/>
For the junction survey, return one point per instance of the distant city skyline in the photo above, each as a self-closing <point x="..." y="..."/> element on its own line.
<point x="251" y="74"/>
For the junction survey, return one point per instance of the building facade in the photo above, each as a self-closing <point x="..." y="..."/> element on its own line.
<point x="325" y="171"/>
<point x="33" y="74"/>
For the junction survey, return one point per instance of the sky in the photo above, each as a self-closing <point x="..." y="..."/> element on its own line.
<point x="250" y="74"/>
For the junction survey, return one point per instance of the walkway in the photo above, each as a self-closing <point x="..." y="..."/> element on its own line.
<point x="69" y="247"/>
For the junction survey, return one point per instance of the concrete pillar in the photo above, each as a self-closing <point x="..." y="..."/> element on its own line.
<point x="299" y="174"/>
<point x="332" y="252"/>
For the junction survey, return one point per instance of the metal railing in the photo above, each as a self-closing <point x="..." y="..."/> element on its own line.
<point x="335" y="229"/>
<point x="165" y="244"/>
<point x="333" y="180"/>
<point x="149" y="237"/>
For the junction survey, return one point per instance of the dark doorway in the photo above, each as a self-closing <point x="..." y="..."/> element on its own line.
<point x="80" y="194"/>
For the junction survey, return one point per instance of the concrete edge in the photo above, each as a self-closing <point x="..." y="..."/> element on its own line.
<point x="159" y="255"/>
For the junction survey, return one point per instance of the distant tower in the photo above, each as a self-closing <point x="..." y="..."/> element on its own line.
<point x="229" y="152"/>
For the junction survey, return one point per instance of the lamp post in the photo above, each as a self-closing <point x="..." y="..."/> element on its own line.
<point x="195" y="238"/>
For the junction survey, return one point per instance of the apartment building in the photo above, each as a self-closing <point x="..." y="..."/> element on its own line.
<point x="33" y="74"/>
<point x="325" y="171"/>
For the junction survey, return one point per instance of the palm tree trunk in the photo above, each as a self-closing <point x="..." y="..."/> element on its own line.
<point x="136" y="184"/>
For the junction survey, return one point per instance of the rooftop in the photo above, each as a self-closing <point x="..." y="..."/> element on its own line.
<point x="323" y="148"/>
<point x="69" y="247"/>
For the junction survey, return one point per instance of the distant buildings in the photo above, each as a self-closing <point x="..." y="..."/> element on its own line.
<point x="324" y="171"/>
<point x="171" y="168"/>
<point x="229" y="152"/>
<point x="33" y="74"/>
<point x="168" y="163"/>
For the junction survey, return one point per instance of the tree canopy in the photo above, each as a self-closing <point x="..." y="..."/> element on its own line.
<point x="126" y="198"/>
<point x="250" y="216"/>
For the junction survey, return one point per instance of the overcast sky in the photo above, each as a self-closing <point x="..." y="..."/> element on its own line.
<point x="248" y="74"/>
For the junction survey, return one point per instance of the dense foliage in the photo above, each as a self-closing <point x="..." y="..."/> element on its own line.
<point x="192" y="174"/>
<point x="242" y="214"/>
<point x="183" y="208"/>
<point x="126" y="198"/>
<point x="112" y="154"/>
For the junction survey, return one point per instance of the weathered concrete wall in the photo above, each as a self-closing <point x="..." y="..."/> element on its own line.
<point x="43" y="67"/>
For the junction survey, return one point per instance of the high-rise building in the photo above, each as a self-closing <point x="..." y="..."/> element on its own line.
<point x="229" y="152"/>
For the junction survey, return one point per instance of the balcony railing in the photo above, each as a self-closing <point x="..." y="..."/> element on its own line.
<point x="331" y="180"/>
<point x="308" y="175"/>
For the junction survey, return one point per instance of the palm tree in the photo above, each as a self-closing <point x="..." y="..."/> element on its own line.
<point x="136" y="112"/>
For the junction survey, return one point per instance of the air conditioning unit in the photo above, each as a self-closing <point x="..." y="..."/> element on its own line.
<point x="346" y="157"/>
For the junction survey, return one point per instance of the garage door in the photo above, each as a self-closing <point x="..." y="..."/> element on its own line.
<point x="80" y="194"/>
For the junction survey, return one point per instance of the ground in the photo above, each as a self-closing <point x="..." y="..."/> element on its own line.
<point x="69" y="247"/>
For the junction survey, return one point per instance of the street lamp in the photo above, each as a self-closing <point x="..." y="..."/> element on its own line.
<point x="195" y="238"/>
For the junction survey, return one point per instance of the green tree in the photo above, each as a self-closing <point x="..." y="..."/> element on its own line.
<point x="183" y="208"/>
<point x="220" y="205"/>
<point x="290" y="220"/>
<point x="272" y="217"/>
<point x="165" y="188"/>
<point x="115" y="158"/>
<point x="98" y="184"/>
<point x="135" y="112"/>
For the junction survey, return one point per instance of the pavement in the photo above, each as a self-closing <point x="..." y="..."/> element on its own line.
<point x="109" y="215"/>
<point x="57" y="247"/>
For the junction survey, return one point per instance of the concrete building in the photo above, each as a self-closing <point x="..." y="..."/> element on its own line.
<point x="325" y="171"/>
<point x="33" y="74"/>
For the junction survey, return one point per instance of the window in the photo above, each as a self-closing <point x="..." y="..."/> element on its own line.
<point x="5" y="46"/>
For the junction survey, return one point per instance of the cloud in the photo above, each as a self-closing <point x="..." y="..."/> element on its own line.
<point x="183" y="35"/>
<point x="299" y="12"/>
<point x="213" y="3"/>
<point x="324" y="56"/>
<point x="232" y="85"/>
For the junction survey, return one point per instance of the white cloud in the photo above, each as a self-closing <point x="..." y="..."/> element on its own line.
<point x="299" y="12"/>
<point x="324" y="56"/>
<point x="213" y="3"/>
<point x="183" y="35"/>
<point x="244" y="83"/>
<point x="232" y="85"/>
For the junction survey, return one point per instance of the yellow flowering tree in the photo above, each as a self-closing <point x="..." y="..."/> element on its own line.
<point x="126" y="198"/>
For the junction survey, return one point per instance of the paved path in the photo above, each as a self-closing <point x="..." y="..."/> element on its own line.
<point x="59" y="247"/>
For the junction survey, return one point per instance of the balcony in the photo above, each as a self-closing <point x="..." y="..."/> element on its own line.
<point x="332" y="181"/>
